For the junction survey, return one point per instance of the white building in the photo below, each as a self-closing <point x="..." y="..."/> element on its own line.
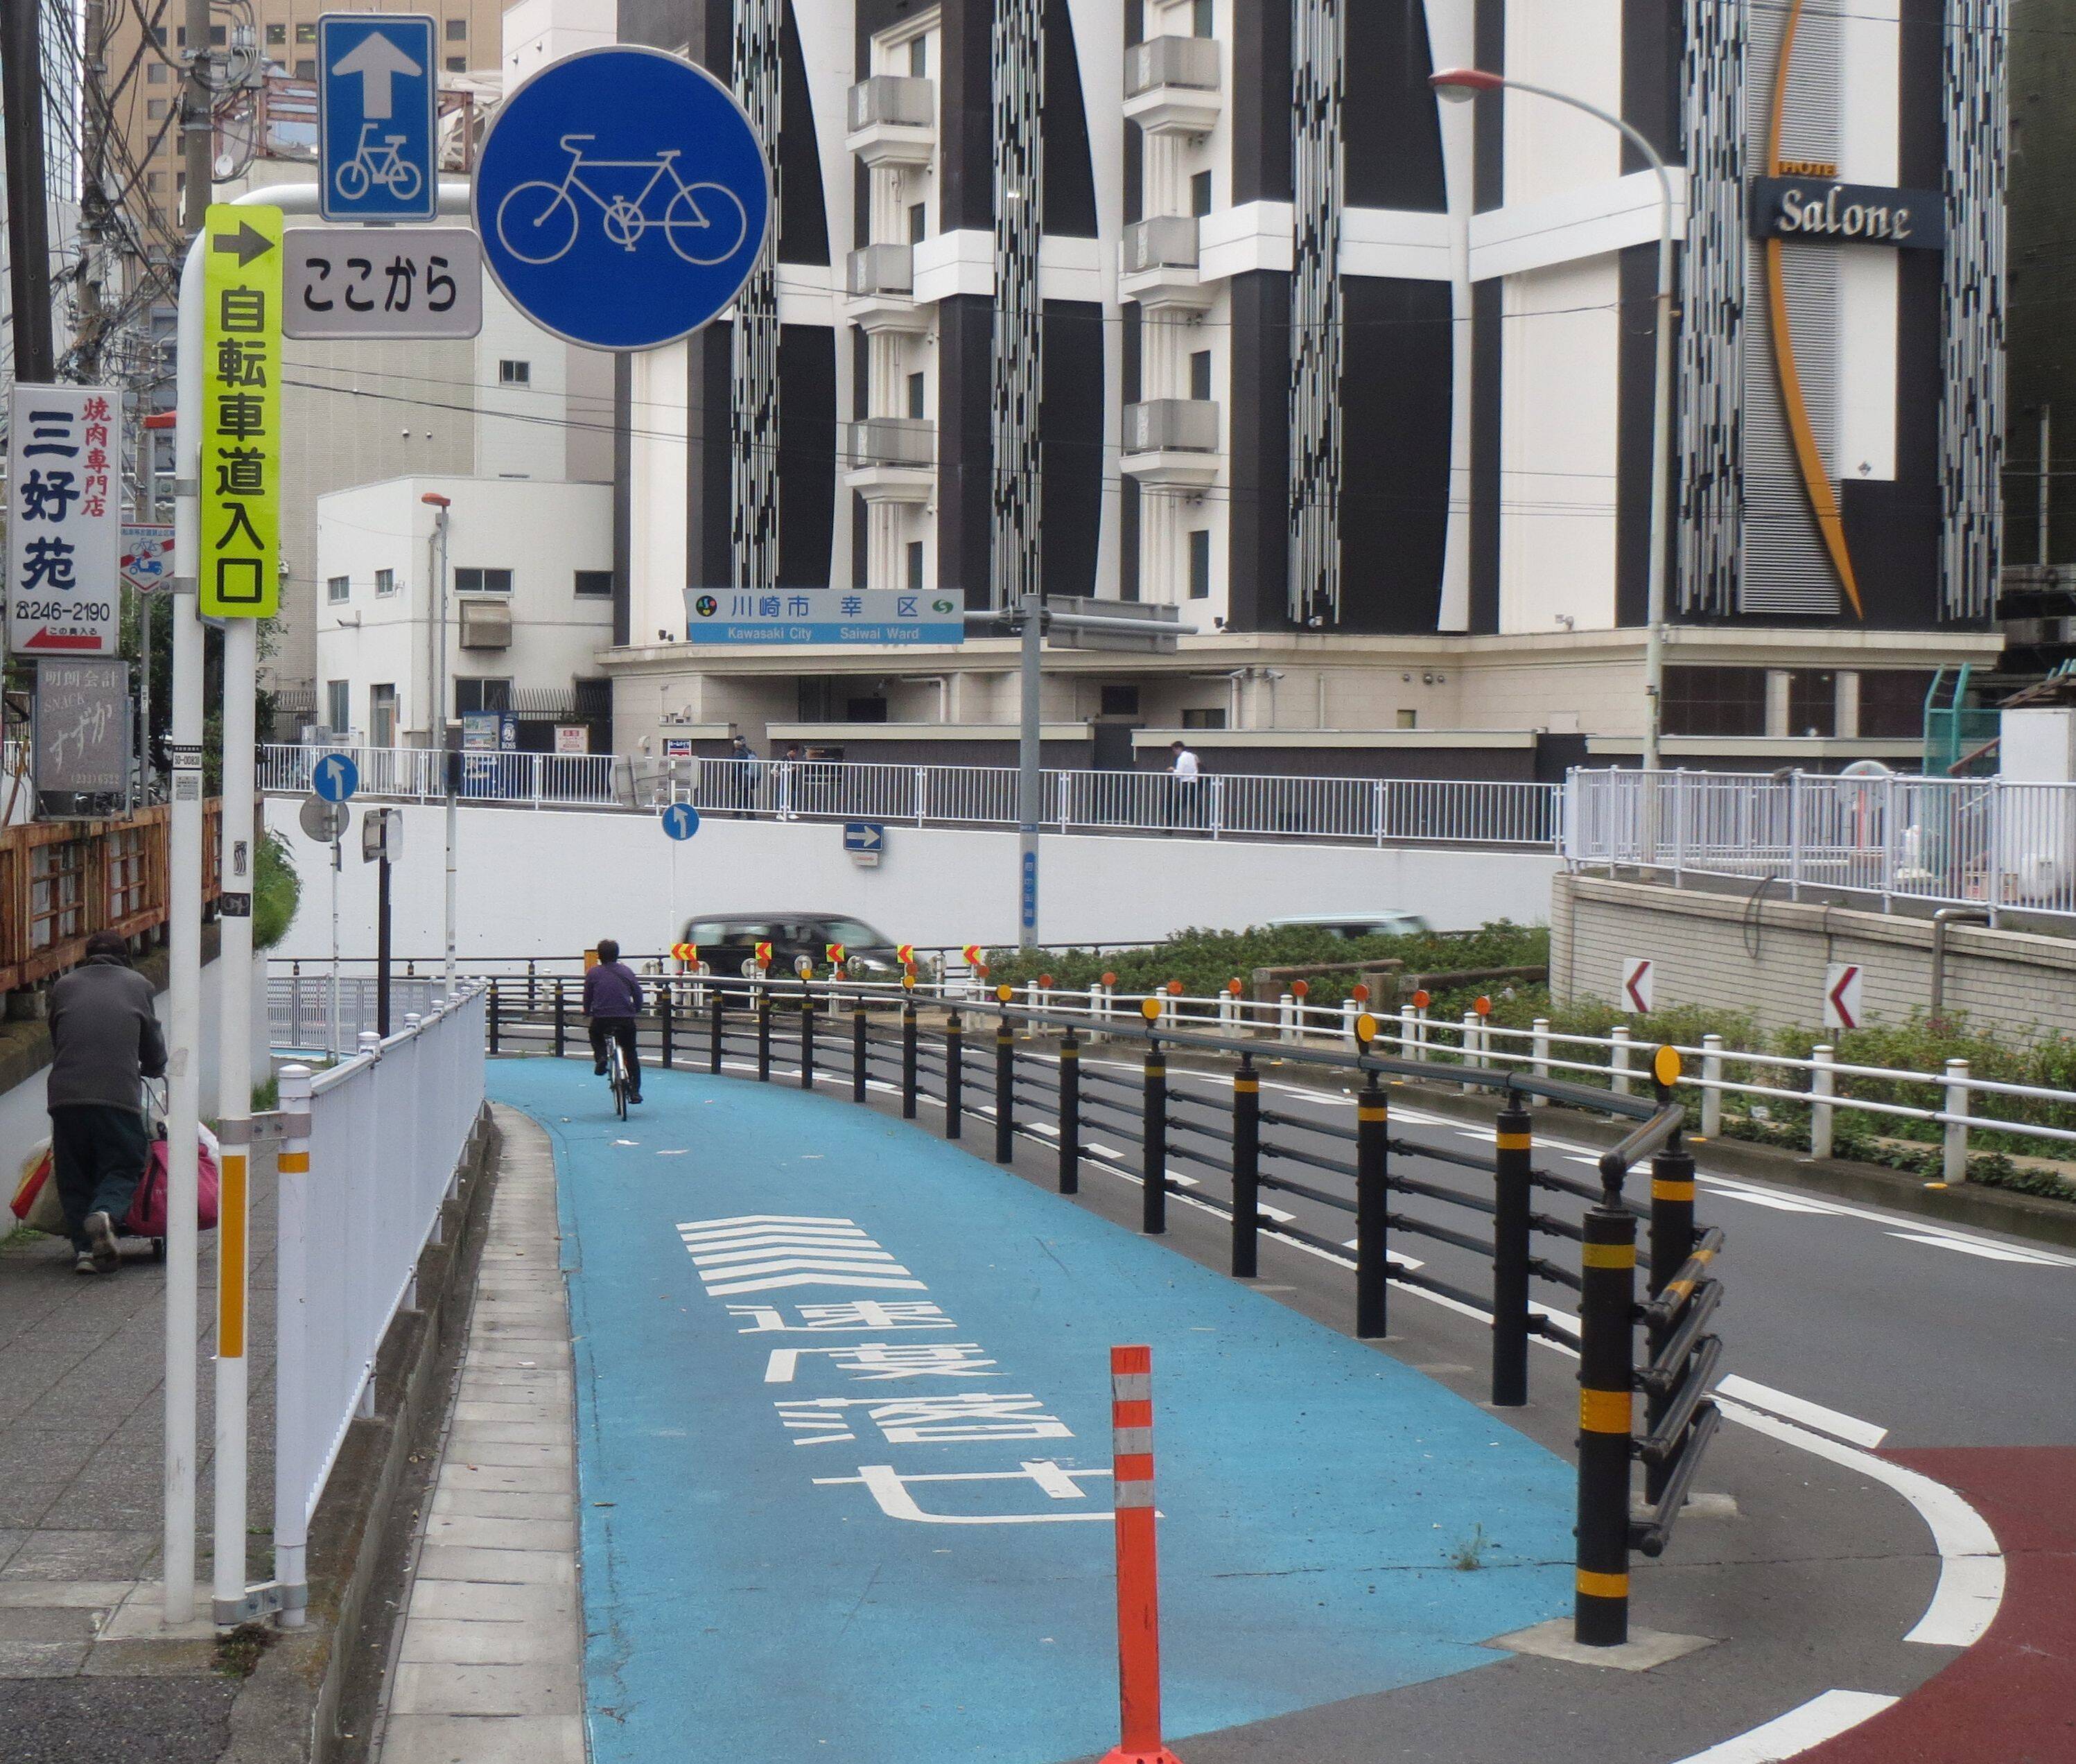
<point x="529" y="605"/>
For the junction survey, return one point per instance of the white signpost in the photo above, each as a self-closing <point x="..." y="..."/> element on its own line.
<point x="1638" y="984"/>
<point x="401" y="282"/>
<point x="1841" y="995"/>
<point x="64" y="520"/>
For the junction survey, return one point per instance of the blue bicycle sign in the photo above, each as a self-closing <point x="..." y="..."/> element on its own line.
<point x="378" y="140"/>
<point x="704" y="223"/>
<point x="378" y="163"/>
<point x="622" y="197"/>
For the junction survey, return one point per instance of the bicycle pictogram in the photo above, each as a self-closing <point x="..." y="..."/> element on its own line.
<point x="377" y="163"/>
<point x="538" y="220"/>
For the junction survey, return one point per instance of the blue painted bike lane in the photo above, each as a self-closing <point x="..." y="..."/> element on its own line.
<point x="843" y="1415"/>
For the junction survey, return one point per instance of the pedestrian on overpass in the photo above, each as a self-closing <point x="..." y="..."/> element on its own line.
<point x="105" y="1042"/>
<point x="749" y="774"/>
<point x="1184" y="782"/>
<point x="613" y="1000"/>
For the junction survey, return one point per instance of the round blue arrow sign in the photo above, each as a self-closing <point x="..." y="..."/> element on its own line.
<point x="334" y="777"/>
<point x="623" y="198"/>
<point x="681" y="820"/>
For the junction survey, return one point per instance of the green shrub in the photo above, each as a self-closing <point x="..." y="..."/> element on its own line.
<point x="276" y="889"/>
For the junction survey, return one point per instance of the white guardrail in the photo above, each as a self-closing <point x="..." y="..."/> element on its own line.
<point x="317" y="1013"/>
<point x="1366" y="811"/>
<point x="385" y="1133"/>
<point x="1955" y="841"/>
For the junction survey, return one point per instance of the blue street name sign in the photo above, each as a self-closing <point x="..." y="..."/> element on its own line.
<point x="622" y="196"/>
<point x="864" y="835"/>
<point x="843" y="616"/>
<point x="377" y="141"/>
<point x="681" y="820"/>
<point x="334" y="777"/>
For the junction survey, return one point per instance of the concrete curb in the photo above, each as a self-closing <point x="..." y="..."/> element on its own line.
<point x="289" y="1710"/>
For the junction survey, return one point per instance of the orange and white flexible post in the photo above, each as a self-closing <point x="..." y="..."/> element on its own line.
<point x="1138" y="1573"/>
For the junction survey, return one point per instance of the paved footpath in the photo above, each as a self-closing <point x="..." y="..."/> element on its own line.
<point x="842" y="1450"/>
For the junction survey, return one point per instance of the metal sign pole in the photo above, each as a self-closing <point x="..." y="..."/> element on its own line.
<point x="1027" y="772"/>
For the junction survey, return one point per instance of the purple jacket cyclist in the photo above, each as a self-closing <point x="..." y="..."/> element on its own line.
<point x="612" y="1001"/>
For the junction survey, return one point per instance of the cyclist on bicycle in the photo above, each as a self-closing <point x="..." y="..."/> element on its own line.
<point x="613" y="1000"/>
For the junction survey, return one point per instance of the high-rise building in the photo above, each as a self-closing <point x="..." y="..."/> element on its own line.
<point x="1213" y="303"/>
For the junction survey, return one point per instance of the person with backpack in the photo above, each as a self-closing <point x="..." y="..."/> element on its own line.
<point x="612" y="1001"/>
<point x="105" y="1042"/>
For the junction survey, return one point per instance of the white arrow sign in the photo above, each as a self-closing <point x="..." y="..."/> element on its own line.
<point x="377" y="60"/>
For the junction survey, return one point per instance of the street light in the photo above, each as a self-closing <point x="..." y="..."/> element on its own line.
<point x="1459" y="85"/>
<point x="439" y="505"/>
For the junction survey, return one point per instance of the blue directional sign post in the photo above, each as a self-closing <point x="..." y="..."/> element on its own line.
<point x="623" y="198"/>
<point x="377" y="138"/>
<point x="681" y="820"/>
<point x="864" y="840"/>
<point x="334" y="777"/>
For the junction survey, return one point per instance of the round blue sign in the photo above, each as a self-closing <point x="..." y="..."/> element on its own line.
<point x="622" y="198"/>
<point x="334" y="777"/>
<point x="681" y="820"/>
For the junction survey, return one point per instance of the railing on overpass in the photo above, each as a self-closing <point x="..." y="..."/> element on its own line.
<point x="1027" y="1079"/>
<point x="1353" y="811"/>
<point x="2003" y="846"/>
<point x="383" y="1136"/>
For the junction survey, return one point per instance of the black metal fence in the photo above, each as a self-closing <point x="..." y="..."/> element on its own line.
<point x="1029" y="1075"/>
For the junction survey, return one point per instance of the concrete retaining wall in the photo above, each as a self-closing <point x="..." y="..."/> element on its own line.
<point x="1770" y="961"/>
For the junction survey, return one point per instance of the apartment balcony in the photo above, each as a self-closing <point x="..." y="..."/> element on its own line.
<point x="893" y="120"/>
<point x="1171" y="86"/>
<point x="1158" y="266"/>
<point x="891" y="458"/>
<point x="1173" y="443"/>
<point x="881" y="285"/>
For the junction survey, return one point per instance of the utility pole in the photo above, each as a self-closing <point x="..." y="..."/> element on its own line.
<point x="28" y="217"/>
<point x="449" y="761"/>
<point x="184" y="890"/>
<point x="93" y="193"/>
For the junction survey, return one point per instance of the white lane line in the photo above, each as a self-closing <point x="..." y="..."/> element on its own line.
<point x="1100" y="1149"/>
<point x="1569" y="1319"/>
<point x="1275" y="1213"/>
<point x="1823" y="1717"/>
<point x="1778" y="1203"/>
<point x="1989" y="1252"/>
<point x="1397" y="1258"/>
<point x="1849" y="1428"/>
<point x="1971" y="1566"/>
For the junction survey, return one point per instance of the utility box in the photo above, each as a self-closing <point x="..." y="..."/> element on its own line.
<point x="2037" y="746"/>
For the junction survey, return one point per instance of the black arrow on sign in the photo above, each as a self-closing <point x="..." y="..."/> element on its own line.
<point x="248" y="242"/>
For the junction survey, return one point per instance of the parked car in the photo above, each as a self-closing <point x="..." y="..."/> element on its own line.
<point x="728" y="942"/>
<point x="1351" y="925"/>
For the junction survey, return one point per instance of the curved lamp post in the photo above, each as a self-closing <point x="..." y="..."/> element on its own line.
<point x="1461" y="85"/>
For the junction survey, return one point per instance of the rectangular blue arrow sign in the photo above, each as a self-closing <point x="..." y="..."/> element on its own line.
<point x="864" y="835"/>
<point x="377" y="138"/>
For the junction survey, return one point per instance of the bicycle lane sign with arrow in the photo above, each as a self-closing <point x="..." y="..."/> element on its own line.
<point x="376" y="95"/>
<point x="623" y="198"/>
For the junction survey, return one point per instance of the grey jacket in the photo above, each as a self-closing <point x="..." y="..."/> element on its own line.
<point x="104" y="1037"/>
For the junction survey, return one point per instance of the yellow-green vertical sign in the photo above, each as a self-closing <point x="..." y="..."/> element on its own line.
<point x="241" y="427"/>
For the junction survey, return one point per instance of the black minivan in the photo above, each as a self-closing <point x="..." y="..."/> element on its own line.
<point x="728" y="942"/>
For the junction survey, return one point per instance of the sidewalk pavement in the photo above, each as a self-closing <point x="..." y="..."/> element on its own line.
<point x="87" y="1669"/>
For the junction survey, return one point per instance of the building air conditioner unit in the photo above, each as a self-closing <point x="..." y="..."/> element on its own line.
<point x="486" y="624"/>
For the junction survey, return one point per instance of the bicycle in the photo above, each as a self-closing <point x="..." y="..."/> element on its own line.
<point x="538" y="221"/>
<point x="380" y="163"/>
<point x="616" y="1076"/>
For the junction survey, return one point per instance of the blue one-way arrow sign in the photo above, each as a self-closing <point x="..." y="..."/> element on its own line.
<point x="864" y="835"/>
<point x="376" y="96"/>
<point x="334" y="777"/>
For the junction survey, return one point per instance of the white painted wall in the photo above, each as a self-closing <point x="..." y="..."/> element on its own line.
<point x="544" y="882"/>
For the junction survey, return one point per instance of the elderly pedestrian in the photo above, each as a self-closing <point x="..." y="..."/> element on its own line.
<point x="105" y="1042"/>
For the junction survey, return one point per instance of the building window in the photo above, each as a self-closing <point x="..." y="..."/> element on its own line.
<point x="385" y="584"/>
<point x="919" y="58"/>
<point x="218" y="37"/>
<point x="1715" y="701"/>
<point x="1892" y="704"/>
<point x="915" y="557"/>
<point x="457" y="63"/>
<point x="456" y="29"/>
<point x="155" y="182"/>
<point x="1813" y="702"/>
<point x="338" y="705"/>
<point x="474" y="696"/>
<point x="1200" y="193"/>
<point x="1120" y="701"/>
<point x="1200" y="564"/>
<point x="155" y="110"/>
<point x="1200" y="374"/>
<point x="1200" y="17"/>
<point x="1409" y="719"/>
<point x="864" y="710"/>
<point x="916" y="395"/>
<point x="338" y="588"/>
<point x="473" y="581"/>
<point x="154" y="73"/>
<point x="306" y="33"/>
<point x="595" y="582"/>
<point x="276" y="35"/>
<point x="1214" y="718"/>
<point x="515" y="373"/>
<point x="306" y="68"/>
<point x="919" y="223"/>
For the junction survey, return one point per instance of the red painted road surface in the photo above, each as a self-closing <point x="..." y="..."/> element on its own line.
<point x="2012" y="1698"/>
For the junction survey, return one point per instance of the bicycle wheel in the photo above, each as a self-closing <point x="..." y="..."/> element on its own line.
<point x="620" y="1083"/>
<point x="404" y="181"/>
<point x="536" y="222"/>
<point x="699" y="236"/>
<point x="351" y="180"/>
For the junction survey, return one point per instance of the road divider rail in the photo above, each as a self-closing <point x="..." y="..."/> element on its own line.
<point x="920" y="1046"/>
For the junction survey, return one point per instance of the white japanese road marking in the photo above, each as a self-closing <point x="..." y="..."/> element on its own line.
<point x="1849" y="1428"/>
<point x="1989" y="1252"/>
<point x="1823" y="1717"/>
<point x="1778" y="1203"/>
<point x="1397" y="1258"/>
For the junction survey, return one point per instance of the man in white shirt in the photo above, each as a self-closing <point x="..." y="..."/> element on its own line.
<point x="1182" y="800"/>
